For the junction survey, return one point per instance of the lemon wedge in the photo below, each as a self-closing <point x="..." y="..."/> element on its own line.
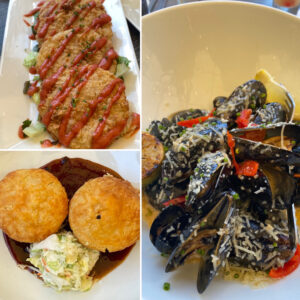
<point x="275" y="91"/>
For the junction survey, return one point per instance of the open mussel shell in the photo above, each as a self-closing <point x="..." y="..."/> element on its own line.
<point x="162" y="191"/>
<point x="203" y="237"/>
<point x="250" y="144"/>
<point x="264" y="190"/>
<point x="208" y="177"/>
<point x="187" y="114"/>
<point x="166" y="230"/>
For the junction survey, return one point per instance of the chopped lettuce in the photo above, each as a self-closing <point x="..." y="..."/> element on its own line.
<point x="63" y="262"/>
<point x="36" y="98"/>
<point x="30" y="59"/>
<point x="122" y="66"/>
<point x="34" y="129"/>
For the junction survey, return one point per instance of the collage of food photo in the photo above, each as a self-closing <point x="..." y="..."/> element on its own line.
<point x="149" y="149"/>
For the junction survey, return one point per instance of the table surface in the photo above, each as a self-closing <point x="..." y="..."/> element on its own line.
<point x="135" y="34"/>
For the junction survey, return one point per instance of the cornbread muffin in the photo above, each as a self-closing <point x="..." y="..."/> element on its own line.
<point x="33" y="205"/>
<point x="104" y="214"/>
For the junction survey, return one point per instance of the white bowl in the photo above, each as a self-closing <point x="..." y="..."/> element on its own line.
<point x="191" y="54"/>
<point x="195" y="52"/>
<point x="122" y="283"/>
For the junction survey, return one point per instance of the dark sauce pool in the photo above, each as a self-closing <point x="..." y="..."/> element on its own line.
<point x="72" y="173"/>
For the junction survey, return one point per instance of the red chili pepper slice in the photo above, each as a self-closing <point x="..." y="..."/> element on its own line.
<point x="243" y="120"/>
<point x="248" y="168"/>
<point x="190" y="123"/>
<point x="288" y="267"/>
<point x="175" y="201"/>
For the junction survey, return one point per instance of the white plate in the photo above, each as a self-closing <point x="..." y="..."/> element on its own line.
<point x="195" y="52"/>
<point x="121" y="284"/>
<point x="191" y="54"/>
<point x="16" y="107"/>
<point x="132" y="9"/>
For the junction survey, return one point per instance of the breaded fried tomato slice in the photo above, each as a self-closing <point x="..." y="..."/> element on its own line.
<point x="87" y="108"/>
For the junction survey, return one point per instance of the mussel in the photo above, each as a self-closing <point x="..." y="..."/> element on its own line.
<point x="187" y="115"/>
<point x="273" y="143"/>
<point x="270" y="113"/>
<point x="206" y="240"/>
<point x="264" y="189"/>
<point x="194" y="142"/>
<point x="260" y="245"/>
<point x="166" y="231"/>
<point x="165" y="131"/>
<point x="205" y="180"/>
<point x="251" y="94"/>
<point x="218" y="101"/>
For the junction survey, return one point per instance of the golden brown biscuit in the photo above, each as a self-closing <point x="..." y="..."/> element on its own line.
<point x="104" y="214"/>
<point x="33" y="205"/>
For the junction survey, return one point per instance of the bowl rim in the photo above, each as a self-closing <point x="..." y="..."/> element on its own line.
<point x="205" y="3"/>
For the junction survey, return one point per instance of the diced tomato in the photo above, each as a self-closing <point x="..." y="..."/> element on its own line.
<point x="46" y="143"/>
<point x="243" y="120"/>
<point x="175" y="201"/>
<point x="21" y="133"/>
<point x="248" y="168"/>
<point x="288" y="267"/>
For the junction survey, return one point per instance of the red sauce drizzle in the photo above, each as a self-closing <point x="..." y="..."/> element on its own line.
<point x="26" y="22"/>
<point x="75" y="16"/>
<point x="106" y="139"/>
<point x="50" y="61"/>
<point x="108" y="58"/>
<point x="36" y="26"/>
<point x="32" y="12"/>
<point x="32" y="37"/>
<point x="33" y="89"/>
<point x="43" y="31"/>
<point x="49" y="83"/>
<point x="96" y="140"/>
<point x="66" y="138"/>
<point x="62" y="95"/>
<point x="41" y="3"/>
<point x="95" y="46"/>
<point x="98" y="22"/>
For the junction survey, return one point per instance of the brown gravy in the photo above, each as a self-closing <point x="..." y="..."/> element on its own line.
<point x="72" y="173"/>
